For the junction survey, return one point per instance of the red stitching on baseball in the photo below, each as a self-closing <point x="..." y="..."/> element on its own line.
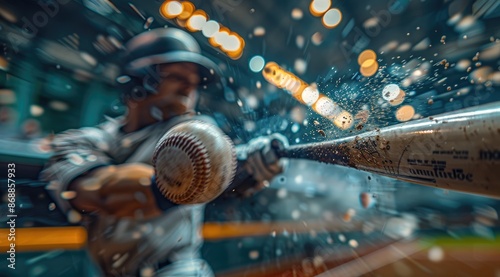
<point x="198" y="156"/>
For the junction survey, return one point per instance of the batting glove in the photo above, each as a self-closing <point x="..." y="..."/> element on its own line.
<point x="262" y="162"/>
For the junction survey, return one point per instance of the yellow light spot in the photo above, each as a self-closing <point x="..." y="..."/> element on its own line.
<point x="68" y="195"/>
<point x="366" y="55"/>
<point x="297" y="14"/>
<point x="237" y="45"/>
<point x="353" y="243"/>
<point x="405" y="113"/>
<point x="293" y="85"/>
<point x="319" y="7"/>
<point x="344" y="120"/>
<point x="272" y="73"/>
<point x="197" y="21"/>
<point x="236" y="54"/>
<point x="187" y="10"/>
<point x="310" y="95"/>
<point x="369" y="68"/>
<point x="306" y="94"/>
<point x="259" y="31"/>
<point x="284" y="79"/>
<point x="36" y="110"/>
<point x="171" y="9"/>
<point x="180" y="22"/>
<point x="399" y="99"/>
<point x="217" y="39"/>
<point x="326" y="107"/>
<point x="230" y="43"/>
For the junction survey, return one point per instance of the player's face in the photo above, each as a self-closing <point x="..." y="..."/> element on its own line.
<point x="176" y="92"/>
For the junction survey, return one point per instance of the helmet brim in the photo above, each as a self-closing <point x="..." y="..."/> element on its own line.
<point x="209" y="72"/>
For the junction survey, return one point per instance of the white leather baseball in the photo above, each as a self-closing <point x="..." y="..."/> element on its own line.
<point x="194" y="162"/>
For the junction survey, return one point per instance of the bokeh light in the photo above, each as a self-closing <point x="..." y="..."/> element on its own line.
<point x="197" y="21"/>
<point x="399" y="99"/>
<point x="230" y="43"/>
<point x="307" y="94"/>
<point x="415" y="61"/>
<point x="405" y="113"/>
<point x="344" y="120"/>
<point x="310" y="95"/>
<point x="326" y="107"/>
<point x="259" y="31"/>
<point x="390" y="92"/>
<point x="256" y="63"/>
<point x="300" y="66"/>
<point x="300" y="41"/>
<point x="369" y="68"/>
<point x="366" y="55"/>
<point x="220" y="37"/>
<point x="210" y="28"/>
<point x="332" y="18"/>
<point x="317" y="38"/>
<point x="171" y="9"/>
<point x="319" y="7"/>
<point x="187" y="10"/>
<point x="36" y="110"/>
<point x="297" y="14"/>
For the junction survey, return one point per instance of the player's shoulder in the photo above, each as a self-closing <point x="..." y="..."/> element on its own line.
<point x="108" y="126"/>
<point x="99" y="132"/>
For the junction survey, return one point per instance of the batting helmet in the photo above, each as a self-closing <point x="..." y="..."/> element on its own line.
<point x="163" y="46"/>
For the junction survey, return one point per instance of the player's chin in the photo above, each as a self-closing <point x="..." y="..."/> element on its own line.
<point x="176" y="106"/>
<point x="178" y="109"/>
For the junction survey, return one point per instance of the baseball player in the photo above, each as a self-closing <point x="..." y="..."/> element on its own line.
<point x="109" y="166"/>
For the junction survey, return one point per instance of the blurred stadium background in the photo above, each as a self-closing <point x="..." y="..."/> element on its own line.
<point x="59" y="61"/>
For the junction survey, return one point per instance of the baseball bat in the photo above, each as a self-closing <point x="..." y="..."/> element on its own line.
<point x="457" y="151"/>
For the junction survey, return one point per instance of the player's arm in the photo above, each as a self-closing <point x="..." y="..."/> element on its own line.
<point x="122" y="190"/>
<point x="80" y="164"/>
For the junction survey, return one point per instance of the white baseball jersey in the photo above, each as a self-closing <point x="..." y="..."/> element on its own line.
<point x="128" y="247"/>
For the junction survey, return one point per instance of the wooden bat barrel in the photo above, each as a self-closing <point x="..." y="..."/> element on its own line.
<point x="457" y="151"/>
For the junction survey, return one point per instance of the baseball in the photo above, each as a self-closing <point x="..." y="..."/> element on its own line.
<point x="194" y="162"/>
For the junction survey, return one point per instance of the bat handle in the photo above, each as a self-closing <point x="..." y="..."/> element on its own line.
<point x="243" y="180"/>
